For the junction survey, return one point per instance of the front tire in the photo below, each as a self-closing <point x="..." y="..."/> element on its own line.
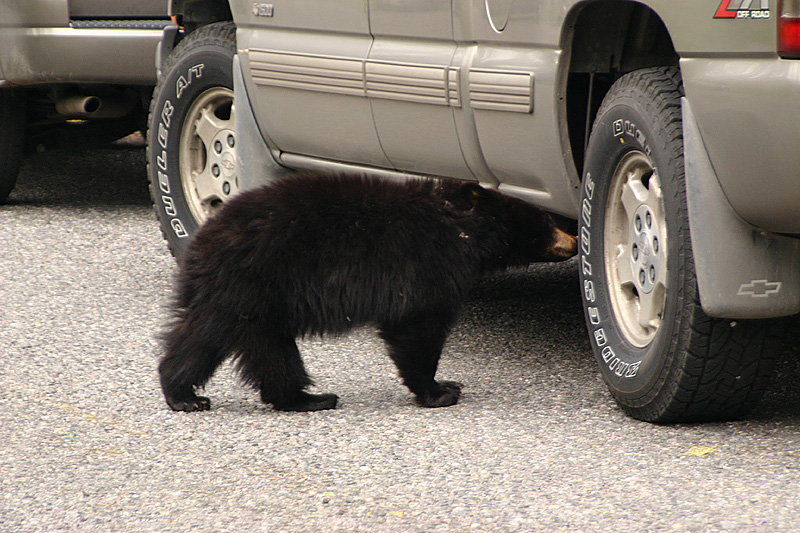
<point x="662" y="358"/>
<point x="192" y="143"/>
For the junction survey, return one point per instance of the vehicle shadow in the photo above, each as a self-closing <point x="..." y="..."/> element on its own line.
<point x="111" y="175"/>
<point x="545" y="301"/>
<point x="542" y="301"/>
<point x="782" y="399"/>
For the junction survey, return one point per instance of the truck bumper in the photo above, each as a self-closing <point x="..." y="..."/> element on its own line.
<point x="746" y="110"/>
<point x="119" y="56"/>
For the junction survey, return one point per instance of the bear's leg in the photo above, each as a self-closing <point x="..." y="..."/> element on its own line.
<point x="415" y="346"/>
<point x="193" y="353"/>
<point x="272" y="363"/>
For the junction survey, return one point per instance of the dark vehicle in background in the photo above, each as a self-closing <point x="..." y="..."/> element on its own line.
<point x="73" y="72"/>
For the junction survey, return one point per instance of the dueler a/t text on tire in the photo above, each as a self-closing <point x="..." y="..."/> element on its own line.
<point x="191" y="157"/>
<point x="663" y="359"/>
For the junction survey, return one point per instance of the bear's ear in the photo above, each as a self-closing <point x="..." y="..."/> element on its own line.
<point x="481" y="198"/>
<point x="473" y="193"/>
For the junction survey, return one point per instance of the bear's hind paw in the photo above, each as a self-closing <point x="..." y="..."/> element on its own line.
<point x="308" y="402"/>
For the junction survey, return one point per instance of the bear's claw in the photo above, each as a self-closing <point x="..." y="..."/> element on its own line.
<point x="198" y="403"/>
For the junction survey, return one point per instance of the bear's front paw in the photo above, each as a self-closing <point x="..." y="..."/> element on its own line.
<point x="197" y="403"/>
<point x="445" y="393"/>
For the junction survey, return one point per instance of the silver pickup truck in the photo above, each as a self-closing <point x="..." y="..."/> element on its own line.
<point x="668" y="131"/>
<point x="73" y="72"/>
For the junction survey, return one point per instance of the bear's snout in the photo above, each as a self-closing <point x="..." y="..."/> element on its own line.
<point x="564" y="246"/>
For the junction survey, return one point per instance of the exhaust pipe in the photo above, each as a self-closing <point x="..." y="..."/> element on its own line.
<point x="92" y="107"/>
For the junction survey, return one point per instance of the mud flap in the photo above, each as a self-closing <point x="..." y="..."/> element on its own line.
<point x="742" y="271"/>
<point x="255" y="162"/>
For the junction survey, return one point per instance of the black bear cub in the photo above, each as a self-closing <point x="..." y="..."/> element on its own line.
<point x="315" y="254"/>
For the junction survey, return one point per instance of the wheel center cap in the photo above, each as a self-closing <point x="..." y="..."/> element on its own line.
<point x="644" y="251"/>
<point x="228" y="164"/>
<point x="222" y="161"/>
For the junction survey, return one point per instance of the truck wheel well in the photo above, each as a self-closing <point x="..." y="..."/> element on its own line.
<point x="607" y="39"/>
<point x="195" y="13"/>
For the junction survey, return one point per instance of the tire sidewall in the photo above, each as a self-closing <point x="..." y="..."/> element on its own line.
<point x="635" y="375"/>
<point x="194" y="67"/>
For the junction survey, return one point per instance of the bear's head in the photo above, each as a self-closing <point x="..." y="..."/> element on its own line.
<point x="531" y="234"/>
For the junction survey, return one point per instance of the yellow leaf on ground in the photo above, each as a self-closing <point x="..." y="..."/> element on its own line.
<point x="700" y="451"/>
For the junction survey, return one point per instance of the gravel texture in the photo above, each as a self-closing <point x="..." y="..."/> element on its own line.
<point x="536" y="443"/>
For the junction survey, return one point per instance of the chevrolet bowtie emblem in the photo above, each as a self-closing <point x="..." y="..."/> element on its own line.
<point x="759" y="288"/>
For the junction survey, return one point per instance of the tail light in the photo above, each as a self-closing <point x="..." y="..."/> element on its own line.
<point x="789" y="29"/>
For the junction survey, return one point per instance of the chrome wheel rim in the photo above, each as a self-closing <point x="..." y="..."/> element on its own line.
<point x="636" y="248"/>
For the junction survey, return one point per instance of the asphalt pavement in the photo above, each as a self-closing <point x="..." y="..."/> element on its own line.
<point x="535" y="444"/>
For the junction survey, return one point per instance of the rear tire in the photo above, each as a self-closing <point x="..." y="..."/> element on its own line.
<point x="662" y="358"/>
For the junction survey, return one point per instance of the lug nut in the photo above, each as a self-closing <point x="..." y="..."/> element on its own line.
<point x="215" y="170"/>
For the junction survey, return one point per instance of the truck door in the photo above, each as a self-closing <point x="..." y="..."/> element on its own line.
<point x="303" y="63"/>
<point x="510" y="67"/>
<point x="413" y="87"/>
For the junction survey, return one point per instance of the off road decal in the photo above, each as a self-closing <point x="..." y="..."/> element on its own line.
<point x="743" y="9"/>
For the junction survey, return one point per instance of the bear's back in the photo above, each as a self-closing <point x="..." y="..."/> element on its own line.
<point x="336" y="251"/>
<point x="343" y="214"/>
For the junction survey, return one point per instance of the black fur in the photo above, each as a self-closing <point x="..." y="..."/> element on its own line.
<point x="314" y="254"/>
